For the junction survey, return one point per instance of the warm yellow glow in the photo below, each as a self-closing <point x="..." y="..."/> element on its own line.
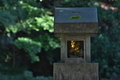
<point x="75" y="47"/>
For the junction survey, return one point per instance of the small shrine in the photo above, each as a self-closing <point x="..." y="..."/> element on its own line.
<point x="75" y="26"/>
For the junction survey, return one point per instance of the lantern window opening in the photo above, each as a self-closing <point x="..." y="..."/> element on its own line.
<point x="75" y="49"/>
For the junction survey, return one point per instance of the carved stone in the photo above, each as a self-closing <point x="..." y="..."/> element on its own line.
<point x="75" y="15"/>
<point x="76" y="28"/>
<point x="72" y="71"/>
<point x="87" y="55"/>
<point x="76" y="20"/>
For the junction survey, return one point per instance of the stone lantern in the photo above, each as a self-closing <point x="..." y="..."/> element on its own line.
<point x="75" y="26"/>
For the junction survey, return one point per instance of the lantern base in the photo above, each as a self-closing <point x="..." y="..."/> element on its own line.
<point x="75" y="71"/>
<point x="75" y="61"/>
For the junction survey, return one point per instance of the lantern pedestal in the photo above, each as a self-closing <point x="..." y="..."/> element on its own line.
<point x="75" y="71"/>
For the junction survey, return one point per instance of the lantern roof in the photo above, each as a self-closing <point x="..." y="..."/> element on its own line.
<point x="75" y="15"/>
<point x="75" y="20"/>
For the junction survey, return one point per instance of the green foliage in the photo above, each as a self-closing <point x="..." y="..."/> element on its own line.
<point x="29" y="46"/>
<point x="75" y="17"/>
<point x="6" y="18"/>
<point x="107" y="56"/>
<point x="9" y="69"/>
<point x="26" y="27"/>
<point x="27" y="75"/>
<point x="41" y="21"/>
<point x="79" y="3"/>
<point x="105" y="46"/>
<point x="47" y="41"/>
<point x="118" y="1"/>
<point x="24" y="15"/>
<point x="27" y="16"/>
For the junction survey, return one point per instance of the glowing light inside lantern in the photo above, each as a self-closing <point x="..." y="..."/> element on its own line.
<point x="75" y="49"/>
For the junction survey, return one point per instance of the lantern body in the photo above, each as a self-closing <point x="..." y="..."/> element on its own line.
<point x="75" y="26"/>
<point x="84" y="50"/>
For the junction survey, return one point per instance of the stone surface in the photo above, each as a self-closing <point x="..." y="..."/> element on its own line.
<point x="75" y="71"/>
<point x="76" y="15"/>
<point x="76" y="20"/>
<point x="74" y="28"/>
<point x="85" y="38"/>
<point x="75" y="61"/>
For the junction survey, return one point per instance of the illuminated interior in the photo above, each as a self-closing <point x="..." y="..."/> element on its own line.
<point x="75" y="49"/>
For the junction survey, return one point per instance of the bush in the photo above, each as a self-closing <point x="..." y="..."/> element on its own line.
<point x="27" y="75"/>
